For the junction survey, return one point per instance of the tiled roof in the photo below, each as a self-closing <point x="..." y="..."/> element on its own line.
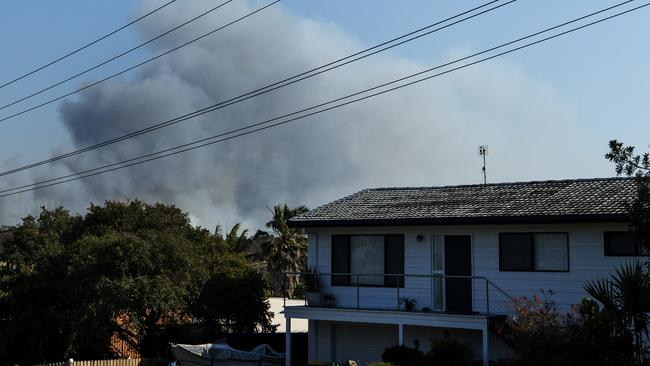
<point x="579" y="200"/>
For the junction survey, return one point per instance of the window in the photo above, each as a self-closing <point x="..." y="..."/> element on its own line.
<point x="374" y="258"/>
<point x="534" y="252"/>
<point x="622" y="244"/>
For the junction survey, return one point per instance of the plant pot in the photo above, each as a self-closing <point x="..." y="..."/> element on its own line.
<point x="329" y="303"/>
<point x="313" y="299"/>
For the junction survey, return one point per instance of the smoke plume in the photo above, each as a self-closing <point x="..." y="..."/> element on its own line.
<point x="423" y="135"/>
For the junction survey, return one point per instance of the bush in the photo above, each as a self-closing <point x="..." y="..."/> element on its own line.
<point x="540" y="334"/>
<point x="535" y="332"/>
<point x="591" y="341"/>
<point x="444" y="352"/>
<point x="449" y="352"/>
<point x="402" y="356"/>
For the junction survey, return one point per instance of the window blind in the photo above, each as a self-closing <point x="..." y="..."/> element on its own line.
<point x="367" y="257"/>
<point x="551" y="252"/>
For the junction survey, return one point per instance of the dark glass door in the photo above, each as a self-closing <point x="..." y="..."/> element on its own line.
<point x="458" y="262"/>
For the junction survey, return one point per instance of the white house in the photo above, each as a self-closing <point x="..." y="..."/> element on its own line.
<point x="458" y="254"/>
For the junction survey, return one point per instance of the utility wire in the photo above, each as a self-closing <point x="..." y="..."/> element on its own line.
<point x="137" y="65"/>
<point x="274" y="86"/>
<point x="248" y="129"/>
<point x="115" y="57"/>
<point x="86" y="45"/>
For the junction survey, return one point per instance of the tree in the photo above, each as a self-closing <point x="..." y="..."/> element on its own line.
<point x="125" y="269"/>
<point x="286" y="251"/>
<point x="638" y="166"/>
<point x="625" y="297"/>
<point x="235" y="241"/>
<point x="234" y="300"/>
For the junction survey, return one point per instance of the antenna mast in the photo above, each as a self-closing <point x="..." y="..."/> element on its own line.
<point x="483" y="151"/>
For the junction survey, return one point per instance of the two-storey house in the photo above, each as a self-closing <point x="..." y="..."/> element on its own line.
<point x="395" y="265"/>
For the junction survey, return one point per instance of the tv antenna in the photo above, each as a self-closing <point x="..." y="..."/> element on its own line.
<point x="483" y="151"/>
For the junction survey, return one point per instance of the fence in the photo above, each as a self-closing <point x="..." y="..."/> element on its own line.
<point x="114" y="362"/>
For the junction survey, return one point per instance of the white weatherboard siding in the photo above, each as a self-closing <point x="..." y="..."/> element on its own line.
<point x="586" y="261"/>
<point x="340" y="342"/>
<point x="340" y="334"/>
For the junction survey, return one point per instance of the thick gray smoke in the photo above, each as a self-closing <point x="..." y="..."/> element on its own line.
<point x="424" y="135"/>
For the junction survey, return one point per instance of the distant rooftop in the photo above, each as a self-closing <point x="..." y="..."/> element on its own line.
<point x="553" y="201"/>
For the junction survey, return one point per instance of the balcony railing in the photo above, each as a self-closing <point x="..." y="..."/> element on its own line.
<point x="434" y="293"/>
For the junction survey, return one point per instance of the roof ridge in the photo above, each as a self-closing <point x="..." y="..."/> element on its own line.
<point x="576" y="180"/>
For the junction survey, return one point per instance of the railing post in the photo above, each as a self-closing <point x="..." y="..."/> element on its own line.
<point x="487" y="296"/>
<point x="357" y="284"/>
<point x="397" y="292"/>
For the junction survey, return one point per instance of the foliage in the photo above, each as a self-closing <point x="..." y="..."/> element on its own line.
<point x="591" y="340"/>
<point x="625" y="296"/>
<point x="449" y="352"/>
<point x="131" y="270"/>
<point x="540" y="334"/>
<point x="286" y="251"/>
<point x="234" y="301"/>
<point x="403" y="356"/>
<point x="535" y="332"/>
<point x="409" y="303"/>
<point x="443" y="352"/>
<point x="626" y="162"/>
<point x="235" y="241"/>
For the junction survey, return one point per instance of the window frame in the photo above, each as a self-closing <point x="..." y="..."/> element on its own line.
<point x="532" y="259"/>
<point x="638" y="246"/>
<point x="350" y="282"/>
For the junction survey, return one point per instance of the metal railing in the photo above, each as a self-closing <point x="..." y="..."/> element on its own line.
<point x="435" y="293"/>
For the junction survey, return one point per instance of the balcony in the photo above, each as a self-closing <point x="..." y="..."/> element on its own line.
<point x="406" y="293"/>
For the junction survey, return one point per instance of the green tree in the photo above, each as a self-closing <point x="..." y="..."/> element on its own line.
<point x="131" y="270"/>
<point x="234" y="299"/>
<point x="637" y="165"/>
<point x="286" y="251"/>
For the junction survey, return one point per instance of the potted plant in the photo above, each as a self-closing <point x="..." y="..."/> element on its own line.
<point x="329" y="300"/>
<point x="312" y="287"/>
<point x="409" y="304"/>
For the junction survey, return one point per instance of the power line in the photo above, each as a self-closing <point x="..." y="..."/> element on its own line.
<point x="137" y="65"/>
<point x="115" y="57"/>
<point x="274" y="86"/>
<point x="86" y="45"/>
<point x="250" y="130"/>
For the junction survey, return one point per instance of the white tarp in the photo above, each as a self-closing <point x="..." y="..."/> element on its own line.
<point x="215" y="354"/>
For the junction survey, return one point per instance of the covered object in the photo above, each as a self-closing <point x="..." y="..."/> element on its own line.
<point x="215" y="354"/>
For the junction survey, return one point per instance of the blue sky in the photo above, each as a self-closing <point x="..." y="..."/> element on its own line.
<point x="602" y="71"/>
<point x="600" y="74"/>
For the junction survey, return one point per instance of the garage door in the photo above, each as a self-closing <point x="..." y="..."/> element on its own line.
<point x="362" y="343"/>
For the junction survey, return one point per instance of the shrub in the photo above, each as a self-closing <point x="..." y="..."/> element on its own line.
<point x="444" y="352"/>
<point x="535" y="331"/>
<point x="449" y="352"/>
<point x="402" y="355"/>
<point x="540" y="334"/>
<point x="591" y="340"/>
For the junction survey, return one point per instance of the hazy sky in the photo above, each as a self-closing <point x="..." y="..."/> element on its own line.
<point x="546" y="112"/>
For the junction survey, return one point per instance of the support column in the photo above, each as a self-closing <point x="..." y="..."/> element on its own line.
<point x="400" y="330"/>
<point x="287" y="340"/>
<point x="312" y="340"/>
<point x="486" y="346"/>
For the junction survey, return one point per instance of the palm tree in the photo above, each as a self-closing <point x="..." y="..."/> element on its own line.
<point x="625" y="297"/>
<point x="235" y="241"/>
<point x="286" y="251"/>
